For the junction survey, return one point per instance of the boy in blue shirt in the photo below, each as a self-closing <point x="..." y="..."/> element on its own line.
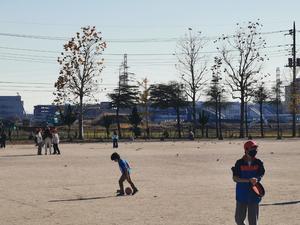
<point x="125" y="170"/>
<point x="115" y="138"/>
<point x="247" y="172"/>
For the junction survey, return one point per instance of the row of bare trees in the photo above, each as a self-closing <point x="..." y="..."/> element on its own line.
<point x="239" y="56"/>
<point x="237" y="70"/>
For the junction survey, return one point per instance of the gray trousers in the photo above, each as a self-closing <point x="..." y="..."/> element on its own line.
<point x="241" y="211"/>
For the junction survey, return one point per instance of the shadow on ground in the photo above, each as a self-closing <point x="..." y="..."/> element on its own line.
<point x="8" y="156"/>
<point x="281" y="203"/>
<point x="81" y="199"/>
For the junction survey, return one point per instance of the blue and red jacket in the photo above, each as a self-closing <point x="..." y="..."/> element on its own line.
<point x="242" y="169"/>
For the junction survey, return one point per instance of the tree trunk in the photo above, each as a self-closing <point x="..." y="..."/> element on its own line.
<point x="147" y="122"/>
<point x="261" y="119"/>
<point x="246" y="119"/>
<point x="216" y="118"/>
<point x="118" y="123"/>
<point x="194" y="115"/>
<point x="178" y="122"/>
<point x="69" y="129"/>
<point x="242" y="117"/>
<point x="277" y="117"/>
<point x="80" y="119"/>
<point x="220" y="119"/>
<point x="107" y="132"/>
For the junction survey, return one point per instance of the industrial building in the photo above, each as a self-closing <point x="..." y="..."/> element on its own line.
<point x="11" y="107"/>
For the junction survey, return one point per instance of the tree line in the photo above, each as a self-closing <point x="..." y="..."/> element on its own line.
<point x="236" y="70"/>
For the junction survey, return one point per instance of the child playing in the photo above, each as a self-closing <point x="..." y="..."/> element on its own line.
<point x="55" y="141"/>
<point x="39" y="140"/>
<point x="247" y="171"/>
<point x="125" y="170"/>
<point x="115" y="138"/>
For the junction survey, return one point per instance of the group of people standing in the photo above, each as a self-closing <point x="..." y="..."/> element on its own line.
<point x="47" y="138"/>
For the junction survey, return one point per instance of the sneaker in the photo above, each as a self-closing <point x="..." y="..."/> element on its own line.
<point x="120" y="194"/>
<point x="135" y="191"/>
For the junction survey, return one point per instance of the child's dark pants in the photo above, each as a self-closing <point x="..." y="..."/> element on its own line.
<point x="56" y="149"/>
<point x="122" y="179"/>
<point x="115" y="143"/>
<point x="241" y="211"/>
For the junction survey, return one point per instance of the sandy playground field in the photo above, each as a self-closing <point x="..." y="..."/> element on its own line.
<point x="180" y="183"/>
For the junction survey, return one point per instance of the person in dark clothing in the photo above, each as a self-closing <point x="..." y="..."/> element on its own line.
<point x="247" y="172"/>
<point x="47" y="138"/>
<point x="3" y="140"/>
<point x="55" y="141"/>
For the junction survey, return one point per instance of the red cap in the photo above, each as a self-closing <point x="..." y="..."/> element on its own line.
<point x="250" y="144"/>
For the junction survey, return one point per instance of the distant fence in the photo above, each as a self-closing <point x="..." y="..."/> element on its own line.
<point x="99" y="133"/>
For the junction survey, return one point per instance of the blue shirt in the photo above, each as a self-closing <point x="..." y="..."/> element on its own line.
<point x="124" y="166"/>
<point x="244" y="170"/>
<point x="115" y="137"/>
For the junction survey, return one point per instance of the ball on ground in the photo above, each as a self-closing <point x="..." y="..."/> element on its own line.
<point x="128" y="191"/>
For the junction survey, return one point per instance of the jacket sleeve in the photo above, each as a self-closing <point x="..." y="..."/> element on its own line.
<point x="236" y="169"/>
<point x="261" y="171"/>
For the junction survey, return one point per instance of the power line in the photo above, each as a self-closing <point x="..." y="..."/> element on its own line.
<point x="40" y="83"/>
<point x="35" y="90"/>
<point x="27" y="49"/>
<point x="34" y="36"/>
<point x="27" y="55"/>
<point x="18" y="90"/>
<point x="121" y="54"/>
<point x="140" y="40"/>
<point x="25" y="60"/>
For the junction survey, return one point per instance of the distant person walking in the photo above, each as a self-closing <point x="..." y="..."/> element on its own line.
<point x="47" y="137"/>
<point x="115" y="139"/>
<point x="39" y="140"/>
<point x="3" y="140"/>
<point x="191" y="135"/>
<point x="55" y="142"/>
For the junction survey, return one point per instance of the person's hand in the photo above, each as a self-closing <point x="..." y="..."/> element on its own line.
<point x="253" y="180"/>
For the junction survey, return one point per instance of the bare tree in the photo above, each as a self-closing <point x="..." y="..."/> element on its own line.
<point x="192" y="67"/>
<point x="81" y="64"/>
<point x="242" y="59"/>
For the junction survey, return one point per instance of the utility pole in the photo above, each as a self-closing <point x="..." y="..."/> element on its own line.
<point x="294" y="80"/>
<point x="292" y="63"/>
<point x="278" y="101"/>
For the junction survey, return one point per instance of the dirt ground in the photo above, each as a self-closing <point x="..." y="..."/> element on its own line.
<point x="180" y="183"/>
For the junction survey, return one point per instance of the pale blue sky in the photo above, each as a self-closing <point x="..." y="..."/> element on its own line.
<point x="125" y="21"/>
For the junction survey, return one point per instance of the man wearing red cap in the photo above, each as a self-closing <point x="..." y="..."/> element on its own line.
<point x="247" y="172"/>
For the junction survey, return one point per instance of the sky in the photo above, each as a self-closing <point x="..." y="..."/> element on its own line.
<point x="147" y="31"/>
